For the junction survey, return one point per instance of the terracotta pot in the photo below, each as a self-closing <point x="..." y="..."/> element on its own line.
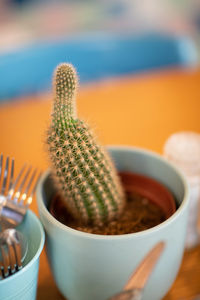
<point x="150" y="189"/>
<point x="133" y="183"/>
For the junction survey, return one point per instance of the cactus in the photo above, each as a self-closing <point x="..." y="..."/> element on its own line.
<point x="82" y="169"/>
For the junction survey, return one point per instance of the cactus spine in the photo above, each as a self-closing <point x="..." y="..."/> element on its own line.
<point x="82" y="169"/>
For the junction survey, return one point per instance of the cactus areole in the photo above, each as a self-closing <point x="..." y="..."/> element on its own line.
<point x="81" y="168"/>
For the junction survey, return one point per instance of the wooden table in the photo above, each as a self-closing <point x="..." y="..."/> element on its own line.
<point x="141" y="111"/>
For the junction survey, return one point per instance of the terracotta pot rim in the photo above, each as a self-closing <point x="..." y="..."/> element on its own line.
<point x="151" y="189"/>
<point x="123" y="149"/>
<point x="86" y="235"/>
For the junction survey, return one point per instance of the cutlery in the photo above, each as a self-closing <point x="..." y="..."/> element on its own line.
<point x="133" y="289"/>
<point x="13" y="249"/>
<point x="15" y="196"/>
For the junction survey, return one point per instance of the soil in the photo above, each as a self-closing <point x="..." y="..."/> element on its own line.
<point x="139" y="214"/>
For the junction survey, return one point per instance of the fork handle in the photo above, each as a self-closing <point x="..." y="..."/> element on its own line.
<point x="9" y="213"/>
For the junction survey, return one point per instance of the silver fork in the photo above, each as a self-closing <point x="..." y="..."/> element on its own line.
<point x="4" y="179"/>
<point x="15" y="196"/>
<point x="13" y="249"/>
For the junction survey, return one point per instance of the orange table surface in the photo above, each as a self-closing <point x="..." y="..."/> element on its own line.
<point x="139" y="110"/>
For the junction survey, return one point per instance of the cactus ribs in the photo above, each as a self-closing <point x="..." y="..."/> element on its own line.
<point x="82" y="170"/>
<point x="139" y="214"/>
<point x="92" y="195"/>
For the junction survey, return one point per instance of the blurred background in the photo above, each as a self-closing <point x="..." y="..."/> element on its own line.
<point x="138" y="66"/>
<point x="127" y="37"/>
<point x="25" y="22"/>
<point x="137" y="62"/>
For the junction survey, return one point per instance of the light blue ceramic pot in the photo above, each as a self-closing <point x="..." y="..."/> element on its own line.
<point x="23" y="284"/>
<point x="88" y="266"/>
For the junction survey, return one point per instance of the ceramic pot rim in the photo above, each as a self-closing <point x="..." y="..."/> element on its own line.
<point x="143" y="233"/>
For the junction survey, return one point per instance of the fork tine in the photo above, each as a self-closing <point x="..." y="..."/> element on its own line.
<point x="23" y="197"/>
<point x="11" y="253"/>
<point x="1" y="167"/>
<point x="19" y="175"/>
<point x="12" y="173"/>
<point x="1" y="270"/>
<point x="5" y="261"/>
<point x="30" y="197"/>
<point x="12" y="188"/>
<point x="18" y="254"/>
<point x="5" y="176"/>
<point x="1" y="164"/>
<point x="17" y="194"/>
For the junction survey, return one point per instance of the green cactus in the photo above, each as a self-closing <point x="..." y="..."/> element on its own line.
<point x="82" y="169"/>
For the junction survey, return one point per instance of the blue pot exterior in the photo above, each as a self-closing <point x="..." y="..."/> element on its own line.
<point x="23" y="284"/>
<point x="88" y="266"/>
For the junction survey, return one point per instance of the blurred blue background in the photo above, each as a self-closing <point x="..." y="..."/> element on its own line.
<point x="102" y="39"/>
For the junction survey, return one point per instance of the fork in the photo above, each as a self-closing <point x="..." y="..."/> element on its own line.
<point x="11" y="254"/>
<point x="15" y="196"/>
<point x="3" y="179"/>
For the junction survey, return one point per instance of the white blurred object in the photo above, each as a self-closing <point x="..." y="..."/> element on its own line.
<point x="183" y="149"/>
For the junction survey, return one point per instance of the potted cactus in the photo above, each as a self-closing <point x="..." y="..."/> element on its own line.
<point x="92" y="257"/>
<point x="84" y="173"/>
